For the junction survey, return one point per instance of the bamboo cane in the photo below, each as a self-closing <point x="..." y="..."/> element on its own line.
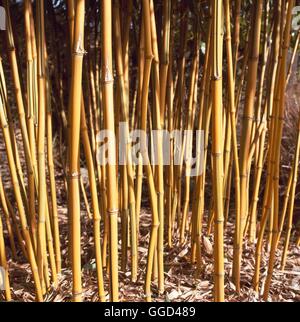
<point x="188" y="138"/>
<point x="30" y="122"/>
<point x="74" y="134"/>
<point x="144" y="153"/>
<point x="112" y="191"/>
<point x="247" y="121"/>
<point x="96" y="210"/>
<point x="128" y="158"/>
<point x="158" y="142"/>
<point x="217" y="153"/>
<point x="234" y="138"/>
<point x="41" y="244"/>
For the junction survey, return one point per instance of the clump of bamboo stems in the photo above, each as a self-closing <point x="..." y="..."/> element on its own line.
<point x="153" y="66"/>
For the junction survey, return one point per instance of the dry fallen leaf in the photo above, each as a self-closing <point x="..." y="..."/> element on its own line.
<point x="207" y="246"/>
<point x="173" y="295"/>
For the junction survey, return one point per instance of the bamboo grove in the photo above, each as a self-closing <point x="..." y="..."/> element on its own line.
<point x="69" y="69"/>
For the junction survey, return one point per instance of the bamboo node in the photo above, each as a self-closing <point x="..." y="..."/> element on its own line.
<point x="249" y="118"/>
<point x="217" y="154"/>
<point x="149" y="57"/>
<point x="78" y="50"/>
<point x="254" y="58"/>
<point x="112" y="212"/>
<point x="11" y="48"/>
<point x="216" y="78"/>
<point x="219" y="221"/>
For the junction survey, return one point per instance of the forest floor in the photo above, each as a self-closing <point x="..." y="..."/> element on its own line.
<point x="180" y="282"/>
